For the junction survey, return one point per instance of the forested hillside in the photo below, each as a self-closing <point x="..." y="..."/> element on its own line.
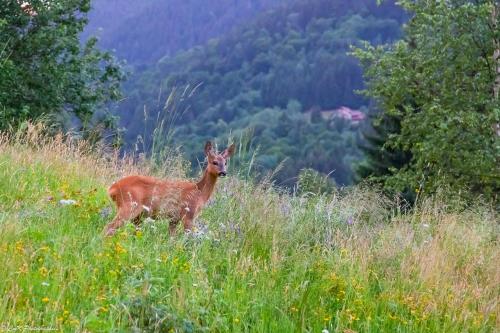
<point x="144" y="31"/>
<point x="273" y="78"/>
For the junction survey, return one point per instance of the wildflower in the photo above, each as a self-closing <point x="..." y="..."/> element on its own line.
<point x="425" y="225"/>
<point x="19" y="247"/>
<point x="294" y="309"/>
<point x="74" y="322"/>
<point x="325" y="331"/>
<point x="350" y="221"/>
<point x="23" y="269"/>
<point x="236" y="320"/>
<point x="64" y="202"/>
<point x="45" y="284"/>
<point x="43" y="271"/>
<point x="327" y="318"/>
<point x="45" y="299"/>
<point x="119" y="248"/>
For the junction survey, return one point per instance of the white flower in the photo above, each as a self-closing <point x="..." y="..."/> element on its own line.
<point x="67" y="202"/>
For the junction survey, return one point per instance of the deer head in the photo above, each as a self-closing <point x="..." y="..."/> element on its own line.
<point x="217" y="161"/>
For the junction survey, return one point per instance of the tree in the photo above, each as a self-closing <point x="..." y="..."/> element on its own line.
<point x="45" y="71"/>
<point x="439" y="81"/>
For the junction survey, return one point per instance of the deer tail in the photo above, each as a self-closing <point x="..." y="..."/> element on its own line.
<point x="113" y="193"/>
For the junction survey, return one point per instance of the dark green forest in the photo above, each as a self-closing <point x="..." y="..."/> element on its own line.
<point x="142" y="32"/>
<point x="272" y="80"/>
<point x="405" y="95"/>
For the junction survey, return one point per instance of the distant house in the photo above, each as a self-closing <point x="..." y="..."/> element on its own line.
<point x="27" y="8"/>
<point x="343" y="112"/>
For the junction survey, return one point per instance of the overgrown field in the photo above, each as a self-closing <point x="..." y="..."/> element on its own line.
<point x="268" y="262"/>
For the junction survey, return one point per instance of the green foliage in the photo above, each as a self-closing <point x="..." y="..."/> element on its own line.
<point x="312" y="182"/>
<point x="156" y="33"/>
<point x="45" y="71"/>
<point x="438" y="82"/>
<point x="268" y="262"/>
<point x="268" y="76"/>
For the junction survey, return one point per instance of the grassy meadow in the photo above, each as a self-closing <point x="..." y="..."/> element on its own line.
<point x="266" y="262"/>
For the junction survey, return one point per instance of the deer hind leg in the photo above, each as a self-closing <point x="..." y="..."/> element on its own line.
<point x="172" y="228"/>
<point x="124" y="214"/>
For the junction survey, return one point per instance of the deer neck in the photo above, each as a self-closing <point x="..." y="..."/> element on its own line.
<point x="206" y="185"/>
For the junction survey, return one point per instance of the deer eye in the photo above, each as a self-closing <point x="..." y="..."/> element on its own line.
<point x="215" y="163"/>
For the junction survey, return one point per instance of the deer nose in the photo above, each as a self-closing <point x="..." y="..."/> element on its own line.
<point x="222" y="174"/>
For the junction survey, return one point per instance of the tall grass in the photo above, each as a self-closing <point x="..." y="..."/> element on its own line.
<point x="268" y="262"/>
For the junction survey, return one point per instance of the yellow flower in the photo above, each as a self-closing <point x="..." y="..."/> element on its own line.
<point x="119" y="248"/>
<point x="45" y="299"/>
<point x="23" y="269"/>
<point x="74" y="322"/>
<point x="327" y="318"/>
<point x="236" y="320"/>
<point x="294" y="309"/>
<point x="19" y="247"/>
<point x="43" y="271"/>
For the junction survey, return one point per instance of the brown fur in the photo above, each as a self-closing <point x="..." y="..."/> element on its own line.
<point x="136" y="196"/>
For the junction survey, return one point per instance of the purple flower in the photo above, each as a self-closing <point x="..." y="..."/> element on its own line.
<point x="350" y="221"/>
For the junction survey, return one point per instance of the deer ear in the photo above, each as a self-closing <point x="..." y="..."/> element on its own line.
<point x="229" y="151"/>
<point x="208" y="148"/>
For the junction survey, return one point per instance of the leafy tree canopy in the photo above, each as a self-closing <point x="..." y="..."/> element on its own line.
<point x="45" y="71"/>
<point x="439" y="82"/>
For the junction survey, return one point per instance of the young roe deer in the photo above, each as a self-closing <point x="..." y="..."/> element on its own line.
<point x="136" y="196"/>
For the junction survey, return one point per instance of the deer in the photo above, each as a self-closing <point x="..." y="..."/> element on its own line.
<point x="139" y="196"/>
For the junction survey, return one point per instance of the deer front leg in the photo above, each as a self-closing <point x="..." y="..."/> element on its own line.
<point x="188" y="218"/>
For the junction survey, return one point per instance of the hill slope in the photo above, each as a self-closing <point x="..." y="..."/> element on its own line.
<point x="271" y="76"/>
<point x="267" y="263"/>
<point x="142" y="32"/>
